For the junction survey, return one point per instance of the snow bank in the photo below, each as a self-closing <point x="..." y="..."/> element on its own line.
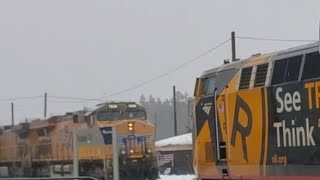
<point x="185" y="139"/>
<point x="177" y="177"/>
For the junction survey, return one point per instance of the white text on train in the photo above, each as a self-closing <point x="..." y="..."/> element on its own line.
<point x="288" y="101"/>
<point x="294" y="136"/>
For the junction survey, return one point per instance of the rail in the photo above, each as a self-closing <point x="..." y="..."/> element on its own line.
<point x="52" y="178"/>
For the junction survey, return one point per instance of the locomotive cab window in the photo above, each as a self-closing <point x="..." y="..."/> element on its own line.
<point x="135" y="114"/>
<point x="311" y="66"/>
<point x="293" y="69"/>
<point x="286" y="70"/>
<point x="133" y="111"/>
<point x="196" y="88"/>
<point x="209" y="85"/>
<point x="106" y="115"/>
<point x="279" y="71"/>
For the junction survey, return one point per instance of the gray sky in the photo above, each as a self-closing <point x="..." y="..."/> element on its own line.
<point x="95" y="48"/>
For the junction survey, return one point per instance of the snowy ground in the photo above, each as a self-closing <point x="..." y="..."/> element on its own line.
<point x="177" y="177"/>
<point x="183" y="139"/>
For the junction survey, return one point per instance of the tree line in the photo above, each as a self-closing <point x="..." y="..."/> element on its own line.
<point x="161" y="113"/>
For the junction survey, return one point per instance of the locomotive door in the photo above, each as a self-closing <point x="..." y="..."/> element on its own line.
<point x="221" y="125"/>
<point x="208" y="110"/>
<point x="219" y="128"/>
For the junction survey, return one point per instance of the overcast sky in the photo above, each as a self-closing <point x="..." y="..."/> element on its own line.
<point x="95" y="48"/>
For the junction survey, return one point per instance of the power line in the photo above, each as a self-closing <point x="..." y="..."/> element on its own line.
<point x="272" y="39"/>
<point x="68" y="101"/>
<point x="21" y="98"/>
<point x="79" y="99"/>
<point x="168" y="72"/>
<point x="173" y="70"/>
<point x="75" y="99"/>
<point x="198" y="57"/>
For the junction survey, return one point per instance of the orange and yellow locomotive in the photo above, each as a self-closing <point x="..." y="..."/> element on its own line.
<point x="259" y="118"/>
<point x="45" y="147"/>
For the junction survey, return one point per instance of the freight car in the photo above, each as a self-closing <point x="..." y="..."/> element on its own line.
<point x="44" y="148"/>
<point x="259" y="118"/>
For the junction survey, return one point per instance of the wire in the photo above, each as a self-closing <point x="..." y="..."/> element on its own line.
<point x="168" y="72"/>
<point x="79" y="99"/>
<point x="271" y="39"/>
<point x="76" y="99"/>
<point x="21" y="98"/>
<point x="196" y="58"/>
<point x="68" y="101"/>
<point x="173" y="70"/>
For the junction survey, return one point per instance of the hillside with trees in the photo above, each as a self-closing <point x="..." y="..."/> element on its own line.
<point x="161" y="113"/>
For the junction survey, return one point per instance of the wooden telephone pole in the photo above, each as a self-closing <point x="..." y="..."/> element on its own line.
<point x="45" y="105"/>
<point x="233" y="46"/>
<point x="175" y="111"/>
<point x="12" y="113"/>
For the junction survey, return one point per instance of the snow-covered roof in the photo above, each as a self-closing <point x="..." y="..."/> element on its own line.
<point x="185" y="139"/>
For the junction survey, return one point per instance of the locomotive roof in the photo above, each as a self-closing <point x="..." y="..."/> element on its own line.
<point x="237" y="64"/>
<point x="119" y="103"/>
<point x="102" y="105"/>
<point x="39" y="123"/>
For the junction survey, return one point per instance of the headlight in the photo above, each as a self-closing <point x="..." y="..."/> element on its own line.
<point x="130" y="126"/>
<point x="123" y="152"/>
<point x="149" y="151"/>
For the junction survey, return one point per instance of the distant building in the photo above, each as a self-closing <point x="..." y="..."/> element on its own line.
<point x="175" y="154"/>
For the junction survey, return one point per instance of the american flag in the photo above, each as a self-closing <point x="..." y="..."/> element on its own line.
<point x="166" y="158"/>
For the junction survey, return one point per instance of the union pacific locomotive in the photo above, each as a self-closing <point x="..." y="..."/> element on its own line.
<point x="259" y="118"/>
<point x="44" y="148"/>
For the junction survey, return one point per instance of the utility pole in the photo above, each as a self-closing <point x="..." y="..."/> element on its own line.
<point x="233" y="46"/>
<point x="12" y="113"/>
<point x="115" y="156"/>
<point x="45" y="105"/>
<point x="75" y="153"/>
<point x="12" y="121"/>
<point x="175" y="111"/>
<point x="155" y="125"/>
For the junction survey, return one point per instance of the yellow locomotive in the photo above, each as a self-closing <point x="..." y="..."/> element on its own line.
<point x="45" y="147"/>
<point x="259" y="118"/>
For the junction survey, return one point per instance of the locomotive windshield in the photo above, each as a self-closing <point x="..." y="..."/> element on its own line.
<point x="135" y="114"/>
<point x="209" y="86"/>
<point x="121" y="112"/>
<point x="106" y="115"/>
